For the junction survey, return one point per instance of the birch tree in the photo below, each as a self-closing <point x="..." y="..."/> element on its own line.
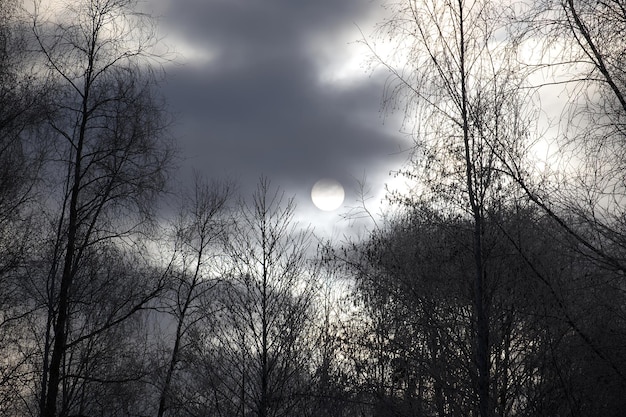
<point x="257" y="353"/>
<point x="452" y="74"/>
<point x="199" y="232"/>
<point x="111" y="160"/>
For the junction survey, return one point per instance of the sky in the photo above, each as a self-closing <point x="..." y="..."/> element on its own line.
<point x="281" y="88"/>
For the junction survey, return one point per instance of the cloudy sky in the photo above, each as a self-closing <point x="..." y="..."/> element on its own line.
<point x="280" y="88"/>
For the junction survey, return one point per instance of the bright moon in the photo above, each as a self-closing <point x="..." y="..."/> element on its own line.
<point x="327" y="194"/>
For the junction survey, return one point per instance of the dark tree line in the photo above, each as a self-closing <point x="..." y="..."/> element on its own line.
<point x="471" y="77"/>
<point x="555" y="319"/>
<point x="494" y="288"/>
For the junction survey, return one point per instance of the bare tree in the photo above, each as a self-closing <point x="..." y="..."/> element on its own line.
<point x="199" y="232"/>
<point x="578" y="54"/>
<point x="457" y="81"/>
<point x="579" y="49"/>
<point x="22" y="104"/>
<point x="574" y="46"/>
<point x="111" y="149"/>
<point x="257" y="352"/>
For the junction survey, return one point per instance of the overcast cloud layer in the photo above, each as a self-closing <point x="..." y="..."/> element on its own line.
<point x="277" y="88"/>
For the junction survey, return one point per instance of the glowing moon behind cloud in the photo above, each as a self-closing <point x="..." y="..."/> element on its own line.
<point x="327" y="194"/>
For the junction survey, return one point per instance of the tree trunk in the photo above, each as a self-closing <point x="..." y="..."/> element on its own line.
<point x="60" y="326"/>
<point x="482" y="321"/>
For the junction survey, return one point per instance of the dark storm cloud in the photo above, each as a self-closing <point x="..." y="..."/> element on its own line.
<point x="260" y="21"/>
<point x="258" y="107"/>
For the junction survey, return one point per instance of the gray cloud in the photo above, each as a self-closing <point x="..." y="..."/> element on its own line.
<point x="258" y="107"/>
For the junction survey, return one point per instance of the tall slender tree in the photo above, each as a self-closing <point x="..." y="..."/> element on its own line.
<point x="199" y="232"/>
<point x="259" y="342"/>
<point x="111" y="151"/>
<point x="457" y="81"/>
